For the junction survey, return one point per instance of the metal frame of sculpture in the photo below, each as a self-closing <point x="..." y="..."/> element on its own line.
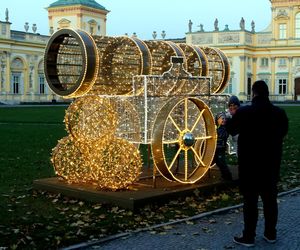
<point x="130" y="92"/>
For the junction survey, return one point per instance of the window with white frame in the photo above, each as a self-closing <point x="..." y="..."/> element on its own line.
<point x="282" y="31"/>
<point x="297" y="61"/>
<point x="282" y="62"/>
<point x="16" y="84"/>
<point x="282" y="86"/>
<point x="228" y="89"/>
<point x="297" y="25"/>
<point x="42" y="84"/>
<point x="3" y="29"/>
<point x="264" y="62"/>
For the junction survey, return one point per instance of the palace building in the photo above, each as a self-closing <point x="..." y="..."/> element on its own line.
<point x="272" y="54"/>
<point x="21" y="52"/>
<point x="21" y="65"/>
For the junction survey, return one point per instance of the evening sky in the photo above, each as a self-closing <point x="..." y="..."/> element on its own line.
<point x="146" y="16"/>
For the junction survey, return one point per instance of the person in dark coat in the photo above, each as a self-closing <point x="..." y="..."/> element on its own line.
<point x="220" y="154"/>
<point x="233" y="105"/>
<point x="261" y="127"/>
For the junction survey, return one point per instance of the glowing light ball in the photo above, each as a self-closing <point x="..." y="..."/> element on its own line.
<point x="115" y="163"/>
<point x="91" y="117"/>
<point x="70" y="162"/>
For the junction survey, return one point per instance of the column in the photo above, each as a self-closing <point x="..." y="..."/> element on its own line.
<point x="31" y="82"/>
<point x="26" y="81"/>
<point x="291" y="80"/>
<point x="273" y="79"/>
<point x="291" y="26"/>
<point x="242" y="77"/>
<point x="2" y="80"/>
<point x="254" y="68"/>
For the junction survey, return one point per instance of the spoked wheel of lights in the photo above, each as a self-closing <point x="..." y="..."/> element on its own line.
<point x="180" y="126"/>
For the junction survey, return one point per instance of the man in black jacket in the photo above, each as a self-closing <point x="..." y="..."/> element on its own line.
<point x="261" y="128"/>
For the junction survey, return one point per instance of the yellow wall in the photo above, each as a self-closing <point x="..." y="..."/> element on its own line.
<point x="243" y="45"/>
<point x="78" y="17"/>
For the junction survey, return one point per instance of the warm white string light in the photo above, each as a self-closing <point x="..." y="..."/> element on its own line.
<point x="133" y="82"/>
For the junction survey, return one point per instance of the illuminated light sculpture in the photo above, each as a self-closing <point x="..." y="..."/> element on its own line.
<point x="218" y="69"/>
<point x="70" y="162"/>
<point x="152" y="92"/>
<point x="89" y="118"/>
<point x="115" y="163"/>
<point x="161" y="52"/>
<point x="195" y="123"/>
<point x="197" y="63"/>
<point x="129" y="120"/>
<point x="121" y="58"/>
<point x="72" y="63"/>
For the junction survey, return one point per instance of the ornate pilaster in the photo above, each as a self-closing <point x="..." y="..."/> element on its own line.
<point x="291" y="79"/>
<point x="273" y="83"/>
<point x="243" y="82"/>
<point x="3" y="65"/>
<point x="254" y="68"/>
<point x="6" y="70"/>
<point x="31" y="73"/>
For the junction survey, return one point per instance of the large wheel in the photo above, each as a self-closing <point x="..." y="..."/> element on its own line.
<point x="180" y="126"/>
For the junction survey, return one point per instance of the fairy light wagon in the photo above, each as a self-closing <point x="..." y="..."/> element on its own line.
<point x="128" y="92"/>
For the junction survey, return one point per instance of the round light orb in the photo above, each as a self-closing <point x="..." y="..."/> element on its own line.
<point x="115" y="162"/>
<point x="69" y="161"/>
<point x="91" y="117"/>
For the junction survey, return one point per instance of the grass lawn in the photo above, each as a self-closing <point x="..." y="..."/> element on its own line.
<point x="40" y="220"/>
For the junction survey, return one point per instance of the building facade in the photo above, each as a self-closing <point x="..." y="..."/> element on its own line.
<point x="22" y="77"/>
<point x="87" y="15"/>
<point x="21" y="66"/>
<point x="272" y="55"/>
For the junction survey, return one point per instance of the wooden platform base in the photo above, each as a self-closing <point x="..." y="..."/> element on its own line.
<point x="139" y="194"/>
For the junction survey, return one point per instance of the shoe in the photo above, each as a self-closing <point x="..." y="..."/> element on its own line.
<point x="244" y="241"/>
<point x="270" y="239"/>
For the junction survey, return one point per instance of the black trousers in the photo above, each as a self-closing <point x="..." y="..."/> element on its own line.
<point x="268" y="194"/>
<point x="220" y="160"/>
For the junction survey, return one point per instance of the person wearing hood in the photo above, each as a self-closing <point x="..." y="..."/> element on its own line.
<point x="233" y="105"/>
<point x="261" y="127"/>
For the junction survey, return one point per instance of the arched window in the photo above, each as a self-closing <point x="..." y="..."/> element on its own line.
<point x="17" y="64"/>
<point x="92" y="26"/>
<point x="17" y="68"/>
<point x="297" y="25"/>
